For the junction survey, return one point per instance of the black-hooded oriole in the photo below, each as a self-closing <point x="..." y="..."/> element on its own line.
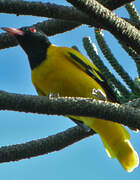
<point x="64" y="71"/>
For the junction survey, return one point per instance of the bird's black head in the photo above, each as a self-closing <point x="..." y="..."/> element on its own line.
<point x="33" y="41"/>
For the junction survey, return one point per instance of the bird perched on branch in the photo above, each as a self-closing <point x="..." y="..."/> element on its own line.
<point x="64" y="71"/>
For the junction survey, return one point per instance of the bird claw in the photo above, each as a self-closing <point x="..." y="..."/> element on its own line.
<point x="51" y="95"/>
<point x="99" y="94"/>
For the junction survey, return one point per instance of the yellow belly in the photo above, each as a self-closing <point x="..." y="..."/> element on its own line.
<point x="59" y="75"/>
<point x="63" y="77"/>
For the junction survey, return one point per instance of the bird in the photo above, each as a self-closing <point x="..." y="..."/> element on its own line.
<point x="66" y="72"/>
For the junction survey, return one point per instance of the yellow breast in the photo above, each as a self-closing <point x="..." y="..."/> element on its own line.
<point x="59" y="75"/>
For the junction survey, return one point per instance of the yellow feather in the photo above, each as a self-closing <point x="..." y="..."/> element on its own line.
<point x="66" y="72"/>
<point x="61" y="74"/>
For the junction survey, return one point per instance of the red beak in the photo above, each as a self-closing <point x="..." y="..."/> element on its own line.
<point x="13" y="31"/>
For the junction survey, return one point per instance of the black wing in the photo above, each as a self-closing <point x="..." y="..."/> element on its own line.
<point x="102" y="81"/>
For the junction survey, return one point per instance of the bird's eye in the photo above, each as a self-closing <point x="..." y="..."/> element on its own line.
<point x="32" y="30"/>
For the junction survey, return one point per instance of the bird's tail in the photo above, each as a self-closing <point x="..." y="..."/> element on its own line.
<point x="127" y="156"/>
<point x="116" y="141"/>
<point x="124" y="152"/>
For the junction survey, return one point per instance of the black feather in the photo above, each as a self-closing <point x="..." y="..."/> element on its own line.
<point x="103" y="82"/>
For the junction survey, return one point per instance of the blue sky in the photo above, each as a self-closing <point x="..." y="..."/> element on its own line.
<point x="83" y="160"/>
